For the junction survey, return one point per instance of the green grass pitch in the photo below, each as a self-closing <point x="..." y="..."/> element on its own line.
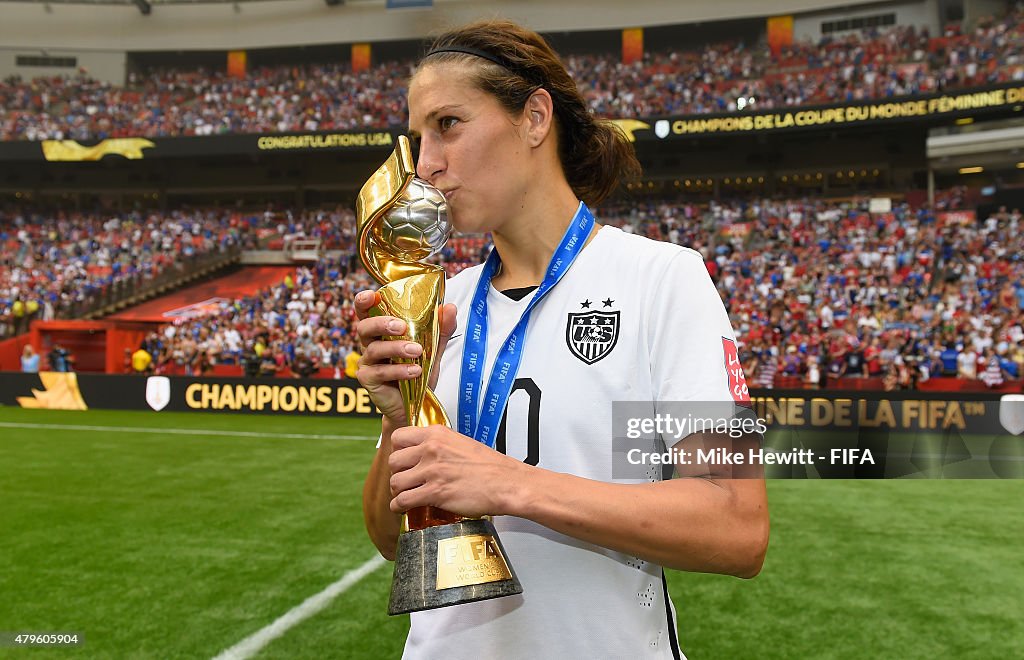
<point x="160" y="544"/>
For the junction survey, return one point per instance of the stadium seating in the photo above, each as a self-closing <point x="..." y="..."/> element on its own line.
<point x="814" y="287"/>
<point x="62" y="264"/>
<point x="818" y="290"/>
<point x="874" y="63"/>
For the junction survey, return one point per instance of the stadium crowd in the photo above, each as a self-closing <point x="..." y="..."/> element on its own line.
<point x="873" y="63"/>
<point x="51" y="262"/>
<point x="817" y="291"/>
<point x="820" y="289"/>
<point x="299" y="327"/>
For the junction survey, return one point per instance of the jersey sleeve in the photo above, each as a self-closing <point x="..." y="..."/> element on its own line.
<point x="693" y="352"/>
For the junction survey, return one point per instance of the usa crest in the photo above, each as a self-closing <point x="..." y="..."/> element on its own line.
<point x="592" y="335"/>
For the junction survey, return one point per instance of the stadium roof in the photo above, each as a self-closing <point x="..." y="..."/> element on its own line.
<point x="131" y="2"/>
<point x="145" y="7"/>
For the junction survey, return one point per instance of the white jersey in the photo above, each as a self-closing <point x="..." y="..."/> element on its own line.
<point x="632" y="319"/>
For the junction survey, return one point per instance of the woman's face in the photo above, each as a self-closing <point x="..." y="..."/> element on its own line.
<point x="469" y="147"/>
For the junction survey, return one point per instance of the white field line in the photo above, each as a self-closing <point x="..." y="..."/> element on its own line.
<point x="163" y="431"/>
<point x="255" y="643"/>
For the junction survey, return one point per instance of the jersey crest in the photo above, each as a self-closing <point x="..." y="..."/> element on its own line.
<point x="592" y="335"/>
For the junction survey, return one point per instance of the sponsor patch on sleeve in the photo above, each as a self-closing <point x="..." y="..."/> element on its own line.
<point x="733" y="368"/>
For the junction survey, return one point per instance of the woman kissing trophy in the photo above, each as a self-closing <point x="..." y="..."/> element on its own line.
<point x="442" y="559"/>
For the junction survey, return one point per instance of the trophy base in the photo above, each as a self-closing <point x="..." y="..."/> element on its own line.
<point x="450" y="564"/>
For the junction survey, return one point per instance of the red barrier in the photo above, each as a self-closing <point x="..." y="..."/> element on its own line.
<point x="963" y="385"/>
<point x="86" y="341"/>
<point x="122" y="338"/>
<point x="877" y="385"/>
<point x="236" y="371"/>
<point x="10" y="352"/>
<point x="227" y="370"/>
<point x="97" y="346"/>
<point x="860" y="384"/>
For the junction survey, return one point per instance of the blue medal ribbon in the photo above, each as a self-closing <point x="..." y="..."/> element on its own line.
<point x="480" y="418"/>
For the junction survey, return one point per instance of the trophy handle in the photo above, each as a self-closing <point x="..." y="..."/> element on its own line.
<point x="380" y="192"/>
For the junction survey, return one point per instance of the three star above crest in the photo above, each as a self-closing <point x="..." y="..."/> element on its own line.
<point x="593" y="320"/>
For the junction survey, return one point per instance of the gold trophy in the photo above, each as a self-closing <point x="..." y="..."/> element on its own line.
<point x="442" y="559"/>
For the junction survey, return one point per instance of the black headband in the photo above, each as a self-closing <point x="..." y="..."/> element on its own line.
<point x="500" y="61"/>
<point x="476" y="52"/>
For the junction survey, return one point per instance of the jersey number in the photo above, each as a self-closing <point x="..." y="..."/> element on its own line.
<point x="533" y="421"/>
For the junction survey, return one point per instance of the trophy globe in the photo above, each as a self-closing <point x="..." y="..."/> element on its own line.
<point x="417" y="226"/>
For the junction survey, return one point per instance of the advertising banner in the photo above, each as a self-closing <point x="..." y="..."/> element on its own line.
<point x="781" y="434"/>
<point x="251" y="144"/>
<point x="928" y="108"/>
<point x="71" y="391"/>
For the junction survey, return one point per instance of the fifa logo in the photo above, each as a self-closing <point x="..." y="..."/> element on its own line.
<point x="468" y="549"/>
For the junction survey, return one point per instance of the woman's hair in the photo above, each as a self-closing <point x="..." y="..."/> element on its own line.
<point x="511" y="63"/>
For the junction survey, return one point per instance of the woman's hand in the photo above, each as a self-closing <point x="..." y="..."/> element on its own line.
<point x="437" y="466"/>
<point x="376" y="371"/>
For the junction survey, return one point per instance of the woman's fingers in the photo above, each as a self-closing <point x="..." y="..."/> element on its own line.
<point x="385" y="356"/>
<point x="376" y="327"/>
<point x="373" y="376"/>
<point x="364" y="300"/>
<point x="383" y="350"/>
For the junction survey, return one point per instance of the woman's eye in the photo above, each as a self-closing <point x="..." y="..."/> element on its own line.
<point x="447" y="123"/>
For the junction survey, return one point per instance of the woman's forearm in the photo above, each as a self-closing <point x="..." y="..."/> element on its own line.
<point x="692" y="524"/>
<point x="382" y="524"/>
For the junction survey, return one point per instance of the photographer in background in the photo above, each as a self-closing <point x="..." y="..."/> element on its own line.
<point x="60" y="359"/>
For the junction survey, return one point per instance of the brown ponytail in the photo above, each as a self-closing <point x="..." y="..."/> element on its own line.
<point x="511" y="63"/>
